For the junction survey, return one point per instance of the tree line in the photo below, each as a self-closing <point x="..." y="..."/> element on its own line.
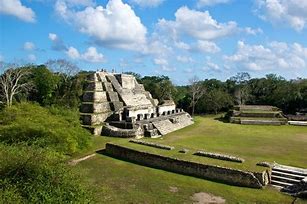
<point x="61" y="83"/>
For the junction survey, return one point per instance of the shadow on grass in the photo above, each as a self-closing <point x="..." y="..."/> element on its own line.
<point x="222" y="118"/>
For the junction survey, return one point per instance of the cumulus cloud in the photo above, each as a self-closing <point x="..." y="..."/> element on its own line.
<point x="163" y="64"/>
<point x="73" y="53"/>
<point x="252" y="31"/>
<point x="28" y="46"/>
<point x="275" y="55"/>
<point x="79" y="2"/>
<point x="197" y="24"/>
<point x="15" y="8"/>
<point x="147" y="3"/>
<point x="202" y="3"/>
<point x="57" y="42"/>
<point x="290" y="12"/>
<point x="206" y="46"/>
<point x="32" y="57"/>
<point x="116" y="25"/>
<point x="184" y="59"/>
<point x="213" y="66"/>
<point x="90" y="55"/>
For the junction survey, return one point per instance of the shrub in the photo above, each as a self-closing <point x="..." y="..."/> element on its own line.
<point x="30" y="174"/>
<point x="51" y="128"/>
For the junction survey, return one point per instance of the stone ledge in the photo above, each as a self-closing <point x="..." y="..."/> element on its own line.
<point x="151" y="144"/>
<point x="210" y="172"/>
<point x="219" y="156"/>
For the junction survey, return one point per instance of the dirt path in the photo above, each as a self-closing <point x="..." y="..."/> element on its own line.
<point x="206" y="198"/>
<point x="76" y="161"/>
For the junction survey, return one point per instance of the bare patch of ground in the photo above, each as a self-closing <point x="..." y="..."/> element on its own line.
<point x="76" y="161"/>
<point x="206" y="198"/>
<point x="173" y="189"/>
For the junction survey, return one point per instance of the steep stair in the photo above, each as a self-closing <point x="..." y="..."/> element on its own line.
<point x="283" y="176"/>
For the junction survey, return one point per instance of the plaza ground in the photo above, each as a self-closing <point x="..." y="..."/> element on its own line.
<point x="117" y="181"/>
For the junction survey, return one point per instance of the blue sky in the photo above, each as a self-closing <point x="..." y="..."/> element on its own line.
<point x="178" y="38"/>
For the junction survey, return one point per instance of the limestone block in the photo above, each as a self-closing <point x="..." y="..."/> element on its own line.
<point x="127" y="81"/>
<point x="95" y="130"/>
<point x="94" y="119"/>
<point x="102" y="76"/>
<point x="112" y="96"/>
<point x="107" y="86"/>
<point x="95" y="107"/>
<point x="94" y="86"/>
<point x="116" y="105"/>
<point x="90" y="96"/>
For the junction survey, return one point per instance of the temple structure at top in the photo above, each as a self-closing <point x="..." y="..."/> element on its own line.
<point x="117" y="105"/>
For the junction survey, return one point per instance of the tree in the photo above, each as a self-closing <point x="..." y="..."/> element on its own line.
<point x="70" y="83"/>
<point x="11" y="84"/>
<point x="196" y="91"/>
<point x="45" y="85"/>
<point x="241" y="89"/>
<point x="63" y="67"/>
<point x="160" y="87"/>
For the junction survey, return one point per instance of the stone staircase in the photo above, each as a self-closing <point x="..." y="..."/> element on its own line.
<point x="284" y="176"/>
<point x="172" y="124"/>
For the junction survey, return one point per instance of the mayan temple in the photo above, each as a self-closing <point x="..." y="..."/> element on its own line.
<point x="117" y="105"/>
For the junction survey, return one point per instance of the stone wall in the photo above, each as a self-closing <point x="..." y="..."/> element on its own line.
<point x="210" y="172"/>
<point x="112" y="131"/>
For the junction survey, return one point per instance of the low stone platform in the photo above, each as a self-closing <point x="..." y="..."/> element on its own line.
<point x="298" y="123"/>
<point x="257" y="115"/>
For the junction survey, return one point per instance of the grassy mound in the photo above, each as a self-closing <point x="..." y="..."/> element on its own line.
<point x="54" y="128"/>
<point x="30" y="174"/>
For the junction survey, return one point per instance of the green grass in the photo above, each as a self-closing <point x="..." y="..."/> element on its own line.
<point x="117" y="181"/>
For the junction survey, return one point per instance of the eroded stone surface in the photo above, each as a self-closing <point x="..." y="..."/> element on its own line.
<point x="207" y="198"/>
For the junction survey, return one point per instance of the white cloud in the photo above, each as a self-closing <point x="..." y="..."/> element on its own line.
<point x="116" y="25"/>
<point x="73" y="53"/>
<point x="213" y="66"/>
<point x="147" y="3"/>
<point x="197" y="24"/>
<point x="91" y="55"/>
<point x="202" y="3"/>
<point x="53" y="36"/>
<point x="290" y="12"/>
<point x="15" y="8"/>
<point x="276" y="55"/>
<point x="28" y="46"/>
<point x="79" y="2"/>
<point x="252" y="31"/>
<point x="57" y="43"/>
<point x="161" y="61"/>
<point x="188" y="70"/>
<point x="32" y="57"/>
<point x="163" y="64"/>
<point x="182" y="45"/>
<point x="206" y="46"/>
<point x="184" y="59"/>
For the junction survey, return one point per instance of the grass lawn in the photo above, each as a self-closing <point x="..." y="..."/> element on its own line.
<point x="117" y="181"/>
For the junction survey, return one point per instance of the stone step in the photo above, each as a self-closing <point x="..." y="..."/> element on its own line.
<point x="275" y="186"/>
<point x="290" y="170"/>
<point x="280" y="183"/>
<point x="288" y="175"/>
<point x="284" y="179"/>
